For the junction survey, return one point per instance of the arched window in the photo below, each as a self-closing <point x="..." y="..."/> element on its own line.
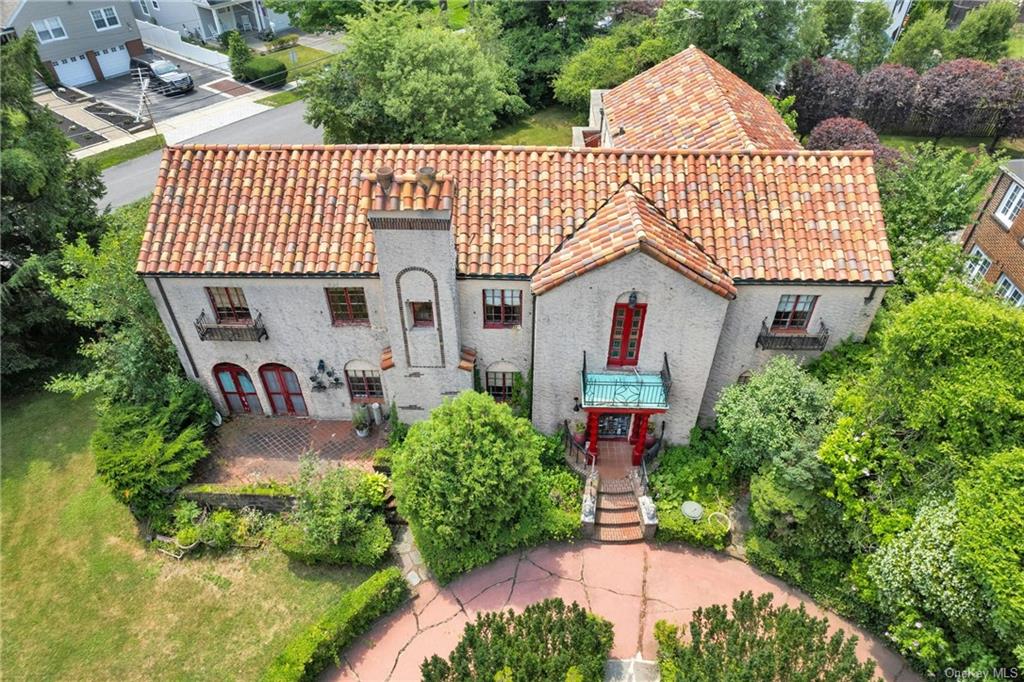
<point x="283" y="390"/>
<point x="237" y="388"/>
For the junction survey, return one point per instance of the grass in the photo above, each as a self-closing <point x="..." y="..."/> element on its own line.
<point x="282" y="98"/>
<point x="551" y="127"/>
<point x="1017" y="42"/>
<point x="308" y="59"/>
<point x="1014" y="148"/>
<point x="85" y="599"/>
<point x="127" y="152"/>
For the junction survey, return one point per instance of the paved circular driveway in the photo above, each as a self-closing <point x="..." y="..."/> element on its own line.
<point x="633" y="586"/>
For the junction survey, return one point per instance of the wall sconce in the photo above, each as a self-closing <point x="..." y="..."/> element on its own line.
<point x="325" y="377"/>
<point x="576" y="404"/>
<point x="632" y="300"/>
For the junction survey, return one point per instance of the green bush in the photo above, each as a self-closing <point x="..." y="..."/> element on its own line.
<point x="239" y="54"/>
<point x="218" y="531"/>
<point x="673" y="526"/>
<point x="469" y="482"/>
<point x="366" y="548"/>
<point x="283" y="42"/>
<point x="758" y="642"/>
<point x="265" y="72"/>
<point x="306" y="656"/>
<point x="547" y="641"/>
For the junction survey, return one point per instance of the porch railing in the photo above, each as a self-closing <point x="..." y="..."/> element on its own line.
<point x="617" y="391"/>
<point x="576" y="454"/>
<point x="769" y="340"/>
<point x="253" y="330"/>
<point x="647" y="461"/>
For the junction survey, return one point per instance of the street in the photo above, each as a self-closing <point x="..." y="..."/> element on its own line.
<point x="135" y="179"/>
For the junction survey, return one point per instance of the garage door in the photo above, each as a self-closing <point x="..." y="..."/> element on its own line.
<point x="74" y="70"/>
<point x="113" y="61"/>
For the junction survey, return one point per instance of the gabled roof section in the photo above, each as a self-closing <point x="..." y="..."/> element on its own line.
<point x="690" y="101"/>
<point x="626" y="223"/>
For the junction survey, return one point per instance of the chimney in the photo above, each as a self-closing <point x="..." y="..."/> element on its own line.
<point x="385" y="175"/>
<point x="426" y="177"/>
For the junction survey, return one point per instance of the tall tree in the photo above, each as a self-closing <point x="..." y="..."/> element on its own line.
<point x="985" y="32"/>
<point x="327" y="15"/>
<point x="47" y="198"/>
<point x="867" y="45"/>
<point x="921" y="46"/>
<point x="885" y="96"/>
<point x="962" y="97"/>
<point x="824" y="88"/>
<point x="752" y="38"/>
<point x="838" y="19"/>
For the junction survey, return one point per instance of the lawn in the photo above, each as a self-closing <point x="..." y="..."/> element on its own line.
<point x="85" y="599"/>
<point x="283" y="97"/>
<point x="1017" y="42"/>
<point x="550" y="127"/>
<point x="307" y="60"/>
<point x="1014" y="148"/>
<point x="126" y="152"/>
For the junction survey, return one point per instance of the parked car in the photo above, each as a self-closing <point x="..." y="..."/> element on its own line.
<point x="165" y="77"/>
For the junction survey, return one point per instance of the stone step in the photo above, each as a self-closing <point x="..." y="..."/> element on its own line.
<point x="616" y="501"/>
<point x="618" y="517"/>
<point x="618" y="485"/>
<point x="618" y="534"/>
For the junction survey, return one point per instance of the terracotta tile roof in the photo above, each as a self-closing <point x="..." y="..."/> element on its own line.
<point x="424" y="190"/>
<point x="626" y="223"/>
<point x="467" y="358"/>
<point x="690" y="101"/>
<point x="302" y="210"/>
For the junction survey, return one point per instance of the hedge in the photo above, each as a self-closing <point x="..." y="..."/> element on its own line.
<point x="318" y="646"/>
<point x="367" y="550"/>
<point x="266" y="72"/>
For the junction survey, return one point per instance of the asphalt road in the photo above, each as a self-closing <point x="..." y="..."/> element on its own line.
<point x="135" y="179"/>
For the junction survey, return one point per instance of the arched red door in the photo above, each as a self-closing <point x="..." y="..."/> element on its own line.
<point x="237" y="388"/>
<point x="283" y="390"/>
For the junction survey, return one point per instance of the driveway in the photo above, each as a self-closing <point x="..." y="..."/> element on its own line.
<point x="123" y="91"/>
<point x="633" y="586"/>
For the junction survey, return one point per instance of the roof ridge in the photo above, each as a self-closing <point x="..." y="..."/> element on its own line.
<point x="729" y="107"/>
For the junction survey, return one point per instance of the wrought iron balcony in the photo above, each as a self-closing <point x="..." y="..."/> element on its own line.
<point x="803" y="340"/>
<point x="250" y="330"/>
<point x="626" y="389"/>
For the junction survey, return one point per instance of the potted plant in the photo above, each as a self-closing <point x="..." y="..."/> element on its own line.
<point x="651" y="438"/>
<point x="579" y="433"/>
<point x="361" y="421"/>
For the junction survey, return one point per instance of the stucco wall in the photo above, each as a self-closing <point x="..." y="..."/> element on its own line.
<point x="511" y="345"/>
<point x="843" y="309"/>
<point x="683" y="320"/>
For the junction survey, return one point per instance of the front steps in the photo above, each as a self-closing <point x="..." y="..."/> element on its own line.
<point x="618" y="517"/>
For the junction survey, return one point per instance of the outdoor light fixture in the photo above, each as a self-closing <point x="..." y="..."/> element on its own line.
<point x="632" y="300"/>
<point x="333" y="380"/>
<point x="576" y="404"/>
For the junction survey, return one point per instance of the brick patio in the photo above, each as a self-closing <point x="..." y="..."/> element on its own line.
<point x="258" y="449"/>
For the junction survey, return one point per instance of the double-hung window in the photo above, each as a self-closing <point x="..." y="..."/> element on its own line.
<point x="1011" y="205"/>
<point x="1010" y="291"/>
<point x="48" y="30"/>
<point x="364" y="384"/>
<point x="500" y="384"/>
<point x="348" y="305"/>
<point x="793" y="312"/>
<point x="503" y="308"/>
<point x="144" y="5"/>
<point x="977" y="265"/>
<point x="229" y="305"/>
<point x="104" y="18"/>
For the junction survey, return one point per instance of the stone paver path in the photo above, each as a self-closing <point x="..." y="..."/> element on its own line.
<point x="633" y="586"/>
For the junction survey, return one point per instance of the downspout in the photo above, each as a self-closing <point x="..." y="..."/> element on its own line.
<point x="177" y="328"/>
<point x="533" y="347"/>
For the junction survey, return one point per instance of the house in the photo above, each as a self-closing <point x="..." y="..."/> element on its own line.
<point x="207" y="19"/>
<point x="995" y="242"/>
<point x="624" y="285"/>
<point x="79" y="42"/>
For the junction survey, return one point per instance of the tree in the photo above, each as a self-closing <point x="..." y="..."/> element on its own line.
<point x="1011" y="123"/>
<point x="824" y="88"/>
<point x="810" y="34"/>
<point x="239" y="55"/>
<point x="469" y="482"/>
<point x="316" y="16"/>
<point x="921" y="45"/>
<point x="758" y="642"/>
<point x="547" y="641"/>
<point x="751" y="38"/>
<point x="784" y="107"/>
<point x="849" y="133"/>
<point x="867" y="45"/>
<point x="46" y="197"/>
<point x="406" y="78"/>
<point x="606" y="61"/>
<point x="885" y="97"/>
<point x="961" y="96"/>
<point x="838" y="18"/>
<point x="985" y="32"/>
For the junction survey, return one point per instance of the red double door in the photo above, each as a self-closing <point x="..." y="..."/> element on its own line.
<point x="279" y="381"/>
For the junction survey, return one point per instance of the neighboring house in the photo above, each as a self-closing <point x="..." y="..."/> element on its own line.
<point x="898" y="11"/>
<point x="207" y="19"/>
<point x="623" y="285"/>
<point x="996" y="240"/>
<point x="79" y="42"/>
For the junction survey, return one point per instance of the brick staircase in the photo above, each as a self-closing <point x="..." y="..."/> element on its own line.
<point x="618" y="518"/>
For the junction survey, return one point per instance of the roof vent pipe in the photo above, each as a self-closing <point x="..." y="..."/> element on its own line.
<point x="426" y="177"/>
<point x="385" y="175"/>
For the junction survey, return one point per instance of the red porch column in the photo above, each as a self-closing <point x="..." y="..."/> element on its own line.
<point x="592" y="432"/>
<point x="641" y="437"/>
<point x="634" y="429"/>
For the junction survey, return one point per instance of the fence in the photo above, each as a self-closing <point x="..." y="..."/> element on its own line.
<point x="170" y="41"/>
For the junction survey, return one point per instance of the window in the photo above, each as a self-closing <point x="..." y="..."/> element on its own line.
<point x="229" y="304"/>
<point x="48" y="30"/>
<point x="348" y="305"/>
<point x="503" y="308"/>
<point x="978" y="265"/>
<point x="499" y="385"/>
<point x="156" y="4"/>
<point x="422" y="313"/>
<point x="237" y="389"/>
<point x="364" y="384"/>
<point x="1010" y="291"/>
<point x="627" y="331"/>
<point x="104" y="18"/>
<point x="794" y="312"/>
<point x="1010" y="206"/>
<point x="144" y="6"/>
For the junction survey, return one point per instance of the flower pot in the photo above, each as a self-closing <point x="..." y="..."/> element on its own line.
<point x="579" y="438"/>
<point x="363" y="432"/>
<point x="650" y="440"/>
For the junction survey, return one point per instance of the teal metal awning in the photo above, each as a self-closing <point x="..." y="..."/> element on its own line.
<point x="627" y="389"/>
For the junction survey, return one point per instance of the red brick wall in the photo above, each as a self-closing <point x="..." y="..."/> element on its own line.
<point x="1001" y="244"/>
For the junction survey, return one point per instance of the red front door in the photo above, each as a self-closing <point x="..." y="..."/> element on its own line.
<point x="238" y="390"/>
<point x="283" y="390"/>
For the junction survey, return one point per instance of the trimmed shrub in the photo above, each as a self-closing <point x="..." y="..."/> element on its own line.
<point x="306" y="656"/>
<point x="824" y="88"/>
<point x="547" y="641"/>
<point x="283" y="42"/>
<point x="239" y="53"/>
<point x="366" y="548"/>
<point x="842" y="133"/>
<point x="885" y="97"/>
<point x="265" y="72"/>
<point x="958" y="97"/>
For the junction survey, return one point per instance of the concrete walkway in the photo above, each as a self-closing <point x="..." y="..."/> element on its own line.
<point x="633" y="586"/>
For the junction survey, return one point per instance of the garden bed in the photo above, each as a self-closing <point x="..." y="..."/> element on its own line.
<point x="116" y="117"/>
<point x="78" y="134"/>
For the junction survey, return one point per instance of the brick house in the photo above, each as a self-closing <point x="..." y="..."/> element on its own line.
<point x="625" y="284"/>
<point x="995" y="241"/>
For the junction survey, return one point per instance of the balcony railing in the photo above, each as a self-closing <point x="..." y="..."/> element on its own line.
<point x="770" y="340"/>
<point x="626" y="389"/>
<point x="252" y="330"/>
